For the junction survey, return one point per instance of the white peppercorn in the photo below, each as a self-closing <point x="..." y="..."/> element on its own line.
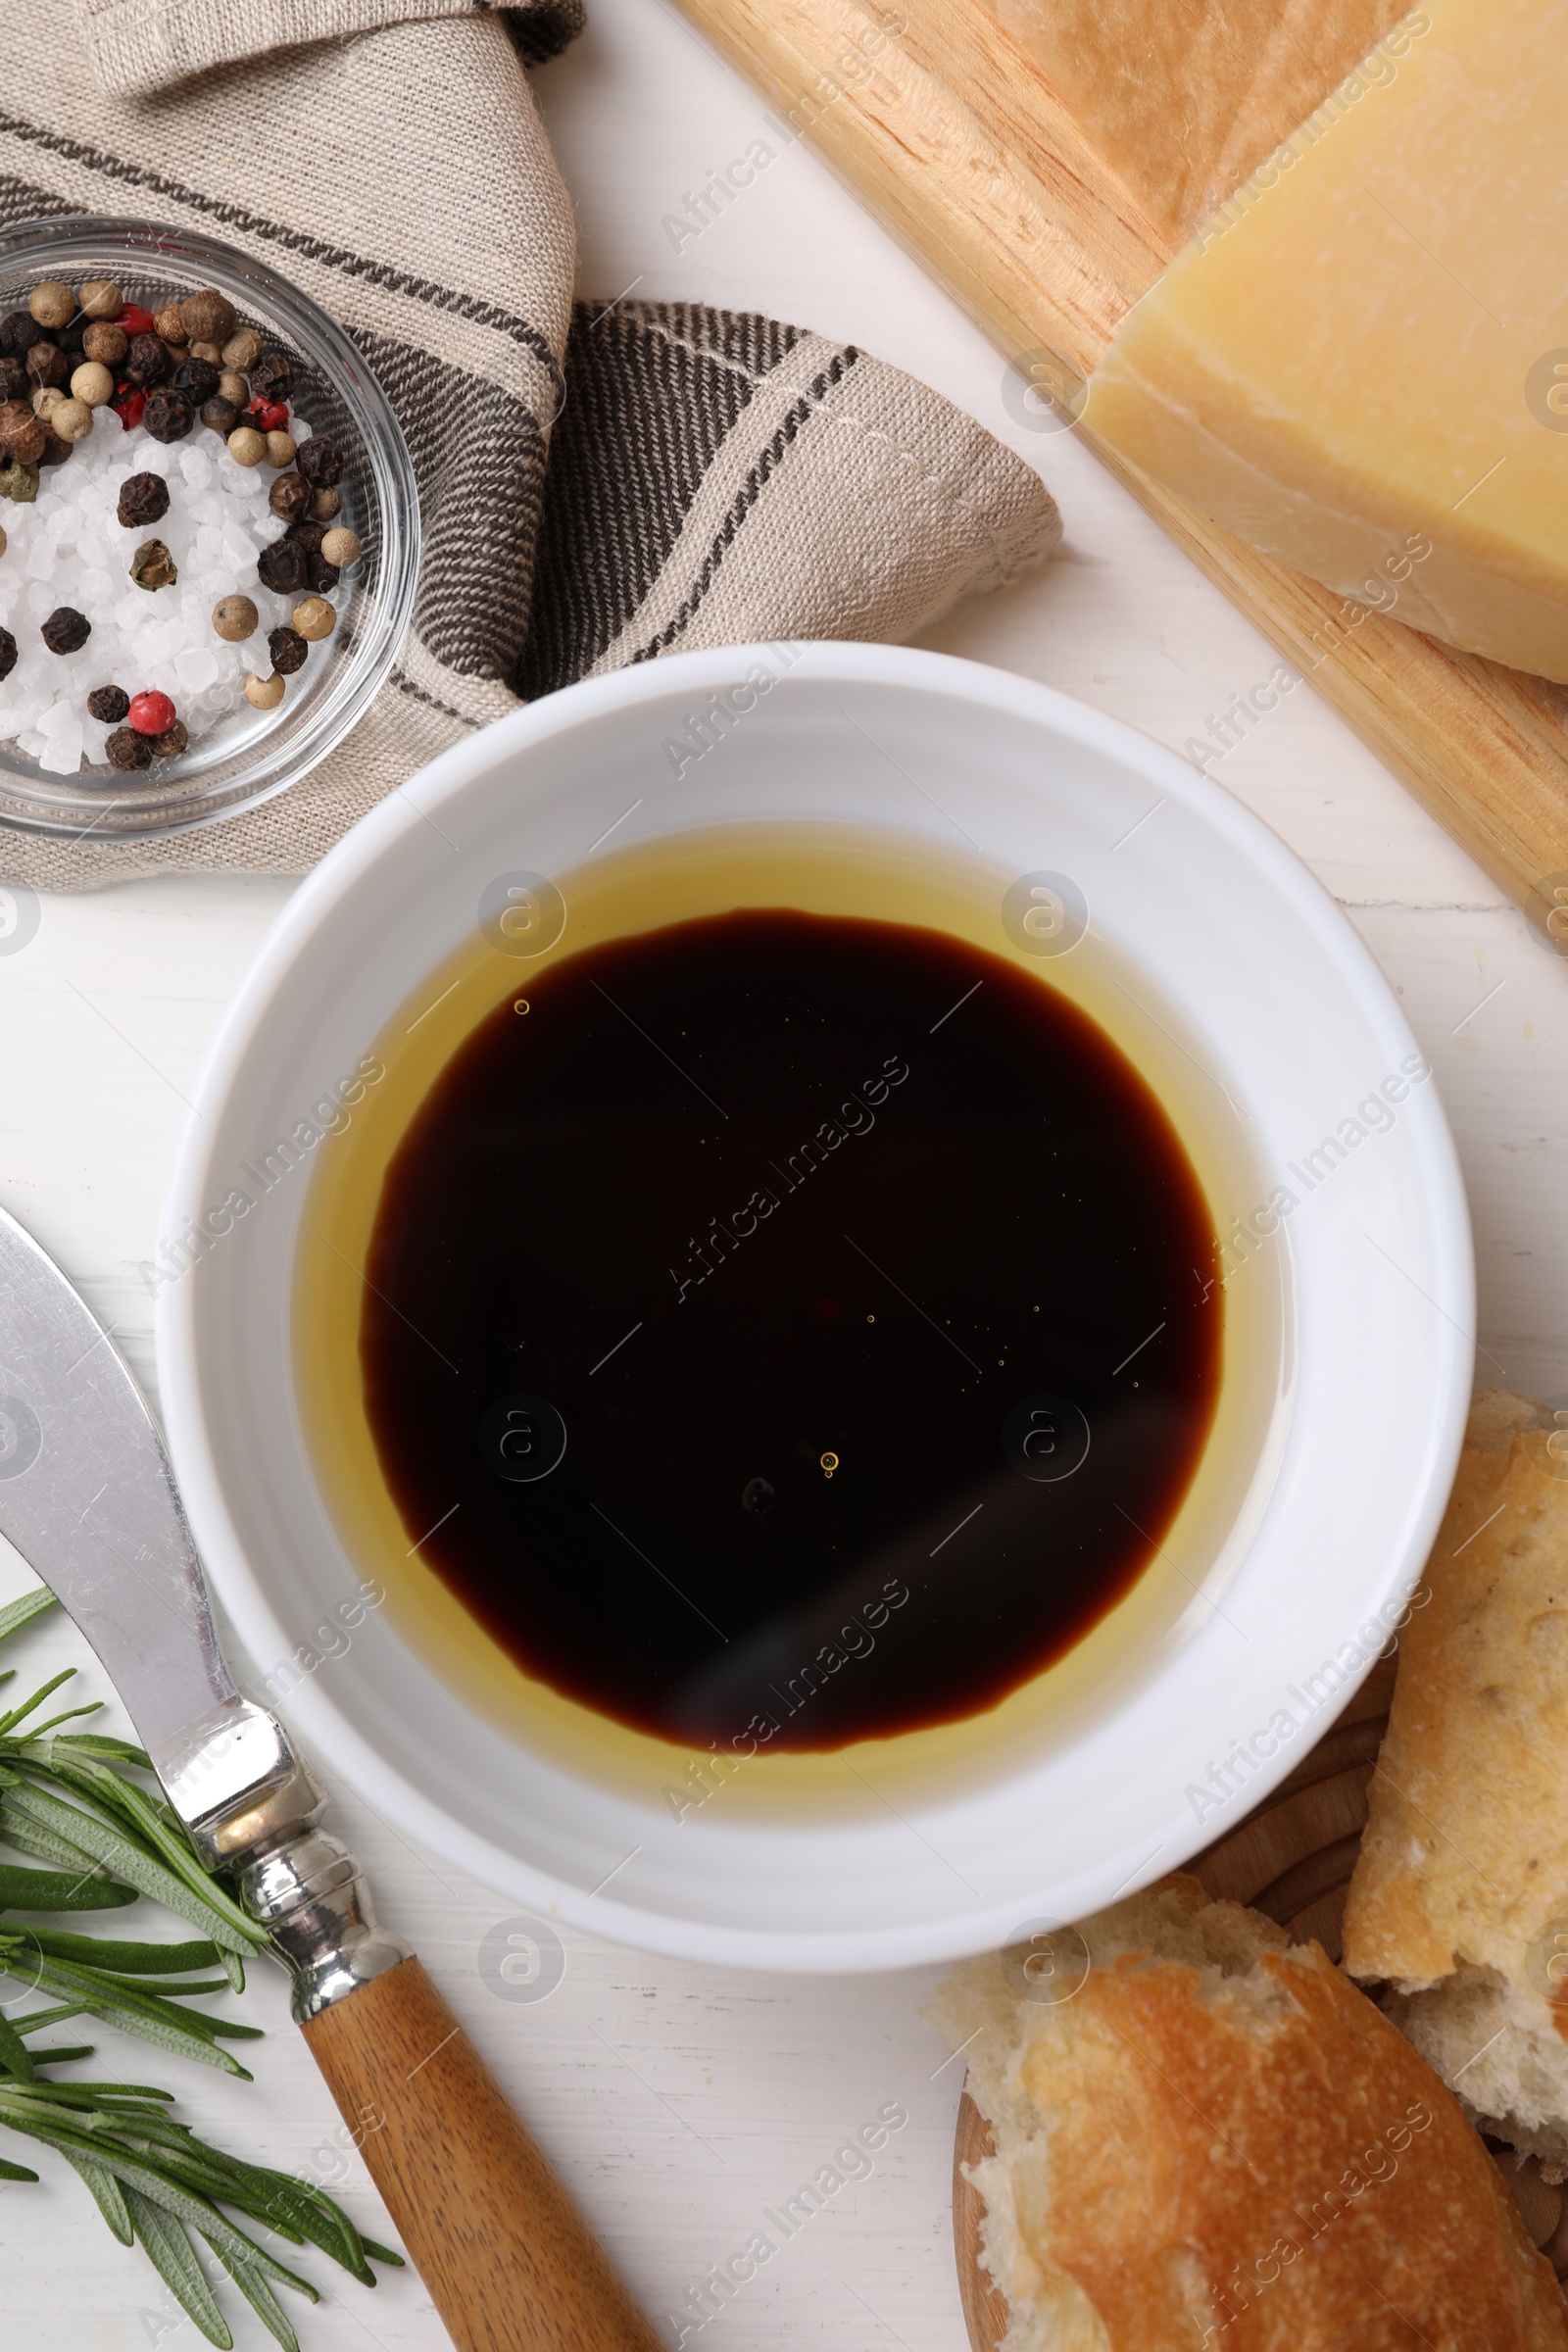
<point x="52" y="304"/>
<point x="72" y="420"/>
<point x="100" y="298"/>
<point x="264" y="694"/>
<point x="313" y="618"/>
<point x="243" y="349"/>
<point x="342" y="546"/>
<point x="246" y="446"/>
<point x="235" y="618"/>
<point x="92" y="383"/>
<point x="280" y="449"/>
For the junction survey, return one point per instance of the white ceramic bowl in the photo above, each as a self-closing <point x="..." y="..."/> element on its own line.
<point x="1350" y="1312"/>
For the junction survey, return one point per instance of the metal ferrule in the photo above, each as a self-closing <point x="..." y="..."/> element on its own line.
<point x="251" y="1804"/>
<point x="310" y="1895"/>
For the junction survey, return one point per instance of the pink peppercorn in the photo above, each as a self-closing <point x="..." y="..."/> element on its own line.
<point x="271" y="416"/>
<point x="151" y="714"/>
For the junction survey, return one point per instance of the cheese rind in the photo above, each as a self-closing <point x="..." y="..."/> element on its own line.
<point x="1358" y="357"/>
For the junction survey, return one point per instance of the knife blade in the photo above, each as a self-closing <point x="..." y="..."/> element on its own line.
<point x="88" y="1496"/>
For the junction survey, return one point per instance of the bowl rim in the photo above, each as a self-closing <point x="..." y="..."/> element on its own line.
<point x="197" y="1449"/>
<point x="78" y="240"/>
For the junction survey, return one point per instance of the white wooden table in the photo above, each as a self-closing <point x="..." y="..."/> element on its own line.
<point x="681" y="2101"/>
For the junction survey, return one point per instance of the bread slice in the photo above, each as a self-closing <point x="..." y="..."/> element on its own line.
<point x="1214" y="2138"/>
<point x="1460" y="1895"/>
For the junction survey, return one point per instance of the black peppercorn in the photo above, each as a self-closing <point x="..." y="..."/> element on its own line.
<point x="19" y="332"/>
<point x="197" y="379"/>
<point x="271" y="376"/>
<point x="220" y="414"/>
<point x="47" y="364"/>
<point x="72" y="338"/>
<point x="308" y="534"/>
<point x="8" y="652"/>
<point x="144" y="499"/>
<point x="55" y="450"/>
<point x="168" y="415"/>
<point x="283" y="566"/>
<point x="320" y="460"/>
<point x="109" y="704"/>
<point x="14" y="383"/>
<point x="65" y="629"/>
<point x="172" y="742"/>
<point x="290" y="496"/>
<point x="153" y="567"/>
<point x="126" y="749"/>
<point x="326" y="503"/>
<point x="288" y="649"/>
<point x="321" y="576"/>
<point x="147" y="360"/>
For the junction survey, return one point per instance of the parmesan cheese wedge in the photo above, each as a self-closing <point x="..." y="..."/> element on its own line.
<point x="1361" y="362"/>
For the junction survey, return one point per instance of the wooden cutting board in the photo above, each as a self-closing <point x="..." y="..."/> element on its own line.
<point x="1044" y="159"/>
<point x="1293" y="1859"/>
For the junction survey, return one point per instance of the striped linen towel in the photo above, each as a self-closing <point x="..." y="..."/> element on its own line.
<point x="630" y="479"/>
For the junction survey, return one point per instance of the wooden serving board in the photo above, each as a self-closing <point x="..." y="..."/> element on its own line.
<point x="1044" y="159"/>
<point x="1291" y="1859"/>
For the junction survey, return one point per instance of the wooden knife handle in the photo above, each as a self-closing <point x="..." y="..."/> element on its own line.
<point x="510" y="2262"/>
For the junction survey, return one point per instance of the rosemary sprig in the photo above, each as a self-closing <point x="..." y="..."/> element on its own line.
<point x="69" y="1799"/>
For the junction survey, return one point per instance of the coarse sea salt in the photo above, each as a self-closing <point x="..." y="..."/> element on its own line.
<point x="68" y="546"/>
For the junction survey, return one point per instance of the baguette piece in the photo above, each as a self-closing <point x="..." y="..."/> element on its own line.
<point x="1214" y="2139"/>
<point x="1460" y="1895"/>
<point x="1461" y="1890"/>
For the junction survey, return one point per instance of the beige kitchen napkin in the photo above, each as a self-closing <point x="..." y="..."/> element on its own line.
<point x="599" y="486"/>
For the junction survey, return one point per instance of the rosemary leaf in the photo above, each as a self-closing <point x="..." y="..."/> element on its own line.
<point x="15" y="2055"/>
<point x="107" y="2196"/>
<point x="61" y="1890"/>
<point x="126" y="1959"/>
<point x="260" y="2298"/>
<point x="135" y="1866"/>
<point x="172" y="2258"/>
<point x="18" y="1613"/>
<point x="14" y="2172"/>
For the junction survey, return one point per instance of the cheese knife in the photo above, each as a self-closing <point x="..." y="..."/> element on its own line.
<point x="88" y="1498"/>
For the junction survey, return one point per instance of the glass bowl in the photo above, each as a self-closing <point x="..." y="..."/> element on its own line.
<point x="248" y="754"/>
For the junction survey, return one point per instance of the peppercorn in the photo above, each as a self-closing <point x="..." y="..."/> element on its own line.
<point x="14" y="384"/>
<point x="208" y="315"/>
<point x="272" y="375"/>
<point x="109" y="704"/>
<point x="288" y="650"/>
<point x="144" y="499"/>
<point x="234" y="387"/>
<point x="105" y="342"/>
<point x="66" y="630"/>
<point x="70" y="339"/>
<point x="99" y="298"/>
<point x="269" y="415"/>
<point x="172" y="742"/>
<point x="146" y="361"/>
<point x="8" y="652"/>
<point x="135" y="320"/>
<point x="212" y="353"/>
<point x="325" y="503"/>
<point x="243" y="349"/>
<point x="168" y="326"/>
<point x="22" y="434"/>
<point x="17" y="335"/>
<point x="283" y="566"/>
<point x="47" y="399"/>
<point x="342" y="546"/>
<point x="313" y="618"/>
<point x="47" y="363"/>
<point x="71" y="422"/>
<point x="151" y="714"/>
<point x="129" y="403"/>
<point x="235" y="617"/>
<point x="220" y="414"/>
<point x="263" y="693"/>
<point x="280" y="449"/>
<point x="153" y="567"/>
<point x="18" y="482"/>
<point x="308" y="534"/>
<point x="322" y="577"/>
<point x="55" y="449"/>
<point x="51" y="303"/>
<point x="320" y="461"/>
<point x="289" y="496"/>
<point x="246" y="446"/>
<point x="92" y="382"/>
<point x="197" y="379"/>
<point x="125" y="749"/>
<point x="168" y="415"/>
